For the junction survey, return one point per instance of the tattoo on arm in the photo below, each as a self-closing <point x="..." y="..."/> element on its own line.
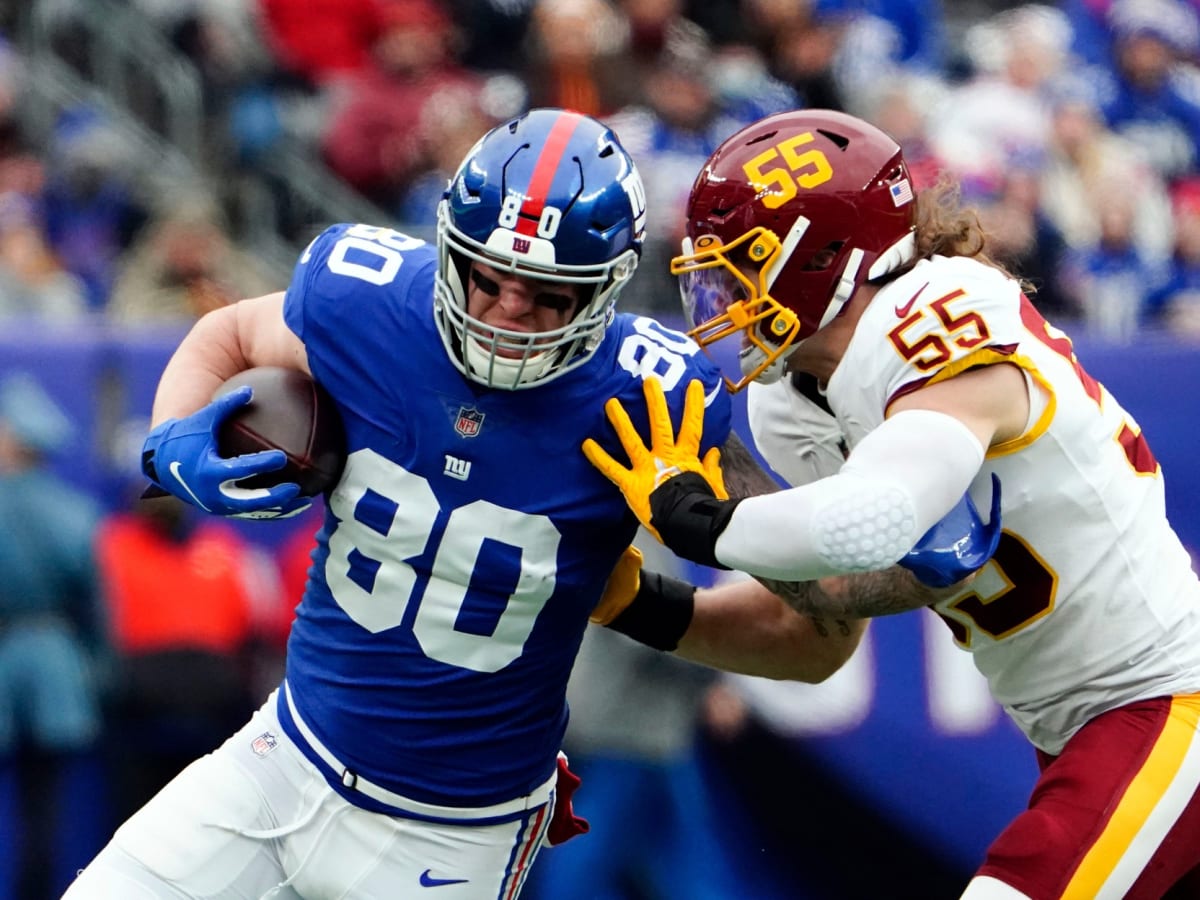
<point x="841" y="626"/>
<point x="830" y="601"/>
<point x="860" y="596"/>
<point x="744" y="477"/>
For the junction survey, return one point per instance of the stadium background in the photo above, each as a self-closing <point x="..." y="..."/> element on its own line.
<point x="897" y="772"/>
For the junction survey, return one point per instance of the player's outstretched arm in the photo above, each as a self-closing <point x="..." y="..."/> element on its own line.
<point x="743" y="627"/>
<point x="738" y="627"/>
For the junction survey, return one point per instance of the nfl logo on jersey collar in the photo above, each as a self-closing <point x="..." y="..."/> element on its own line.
<point x="469" y="421"/>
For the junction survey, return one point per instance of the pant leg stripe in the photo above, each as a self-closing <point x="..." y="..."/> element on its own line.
<point x="528" y="838"/>
<point x="1150" y="806"/>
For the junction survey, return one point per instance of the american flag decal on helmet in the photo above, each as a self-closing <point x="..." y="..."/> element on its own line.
<point x="901" y="192"/>
<point x="469" y="421"/>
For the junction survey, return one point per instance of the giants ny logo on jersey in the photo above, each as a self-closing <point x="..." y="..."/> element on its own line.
<point x="457" y="468"/>
<point x="469" y="421"/>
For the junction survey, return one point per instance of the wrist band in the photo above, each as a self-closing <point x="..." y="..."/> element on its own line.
<point x="660" y="612"/>
<point x="689" y="517"/>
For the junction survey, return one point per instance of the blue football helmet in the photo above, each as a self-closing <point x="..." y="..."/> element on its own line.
<point x="550" y="195"/>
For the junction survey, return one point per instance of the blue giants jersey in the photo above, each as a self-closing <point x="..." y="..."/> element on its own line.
<point x="468" y="539"/>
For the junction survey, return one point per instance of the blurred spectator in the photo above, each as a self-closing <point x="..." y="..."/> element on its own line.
<point x="21" y="168"/>
<point x="1149" y="95"/>
<point x="1090" y="41"/>
<point x="33" y="283"/>
<point x="182" y="265"/>
<point x="801" y="49"/>
<point x="1109" y="281"/>
<point x="92" y="203"/>
<point x="1174" y="303"/>
<point x="321" y="40"/>
<point x="490" y="31"/>
<point x="693" y="100"/>
<point x="914" y="31"/>
<point x="900" y="105"/>
<point x="1000" y="112"/>
<point x="450" y="123"/>
<point x="659" y="828"/>
<point x="52" y="638"/>
<point x="577" y="57"/>
<point x="880" y="39"/>
<point x="373" y="139"/>
<point x="195" y="612"/>
<point x="1085" y="163"/>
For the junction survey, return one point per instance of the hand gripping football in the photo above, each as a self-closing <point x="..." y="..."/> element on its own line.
<point x="289" y="411"/>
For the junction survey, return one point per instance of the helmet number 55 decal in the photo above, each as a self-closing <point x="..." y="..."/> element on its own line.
<point x="778" y="184"/>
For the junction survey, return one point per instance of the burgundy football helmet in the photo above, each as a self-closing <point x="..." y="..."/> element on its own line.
<point x="786" y="219"/>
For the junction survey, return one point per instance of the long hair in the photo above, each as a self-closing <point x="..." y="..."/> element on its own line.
<point x="947" y="227"/>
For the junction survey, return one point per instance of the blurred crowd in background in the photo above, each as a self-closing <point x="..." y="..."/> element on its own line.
<point x="133" y="639"/>
<point x="1074" y="127"/>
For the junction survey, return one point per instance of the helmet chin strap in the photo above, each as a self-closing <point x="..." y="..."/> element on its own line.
<point x="845" y="287"/>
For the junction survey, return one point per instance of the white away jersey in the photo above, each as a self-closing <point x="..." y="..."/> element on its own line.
<point x="1090" y="601"/>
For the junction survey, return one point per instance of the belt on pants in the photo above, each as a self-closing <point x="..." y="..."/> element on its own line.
<point x="538" y="797"/>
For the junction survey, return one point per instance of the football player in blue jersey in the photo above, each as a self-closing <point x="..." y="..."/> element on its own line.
<point x="414" y="742"/>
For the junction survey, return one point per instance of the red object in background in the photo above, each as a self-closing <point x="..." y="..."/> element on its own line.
<point x="321" y="39"/>
<point x="164" y="593"/>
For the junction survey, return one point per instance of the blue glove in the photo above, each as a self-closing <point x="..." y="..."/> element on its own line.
<point x="180" y="456"/>
<point x="961" y="543"/>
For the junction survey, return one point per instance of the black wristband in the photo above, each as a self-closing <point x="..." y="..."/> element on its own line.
<point x="689" y="517"/>
<point x="660" y="612"/>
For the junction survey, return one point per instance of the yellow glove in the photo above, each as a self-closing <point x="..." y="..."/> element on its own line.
<point x="666" y="457"/>
<point x="622" y="587"/>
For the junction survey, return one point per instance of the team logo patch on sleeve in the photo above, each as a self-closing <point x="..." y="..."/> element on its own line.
<point x="469" y="421"/>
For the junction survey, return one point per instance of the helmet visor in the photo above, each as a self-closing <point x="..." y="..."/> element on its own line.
<point x="708" y="293"/>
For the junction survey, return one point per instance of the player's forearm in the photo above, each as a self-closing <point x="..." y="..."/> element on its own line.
<point x="897" y="483"/>
<point x="206" y="356"/>
<point x="222" y="343"/>
<point x="742" y="627"/>
<point x="859" y="596"/>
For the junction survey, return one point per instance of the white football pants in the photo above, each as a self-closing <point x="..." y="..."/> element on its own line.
<point x="255" y="820"/>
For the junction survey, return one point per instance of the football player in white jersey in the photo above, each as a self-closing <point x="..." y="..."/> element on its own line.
<point x="893" y="365"/>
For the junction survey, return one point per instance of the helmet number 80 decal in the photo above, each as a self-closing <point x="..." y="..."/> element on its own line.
<point x="510" y="212"/>
<point x="778" y="183"/>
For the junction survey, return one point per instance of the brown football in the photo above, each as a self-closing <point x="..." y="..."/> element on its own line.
<point x="288" y="411"/>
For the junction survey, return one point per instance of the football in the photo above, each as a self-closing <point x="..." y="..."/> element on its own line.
<point x="289" y="411"/>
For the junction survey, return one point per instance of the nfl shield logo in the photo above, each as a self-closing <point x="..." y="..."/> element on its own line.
<point x="469" y="421"/>
<point x="264" y="744"/>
